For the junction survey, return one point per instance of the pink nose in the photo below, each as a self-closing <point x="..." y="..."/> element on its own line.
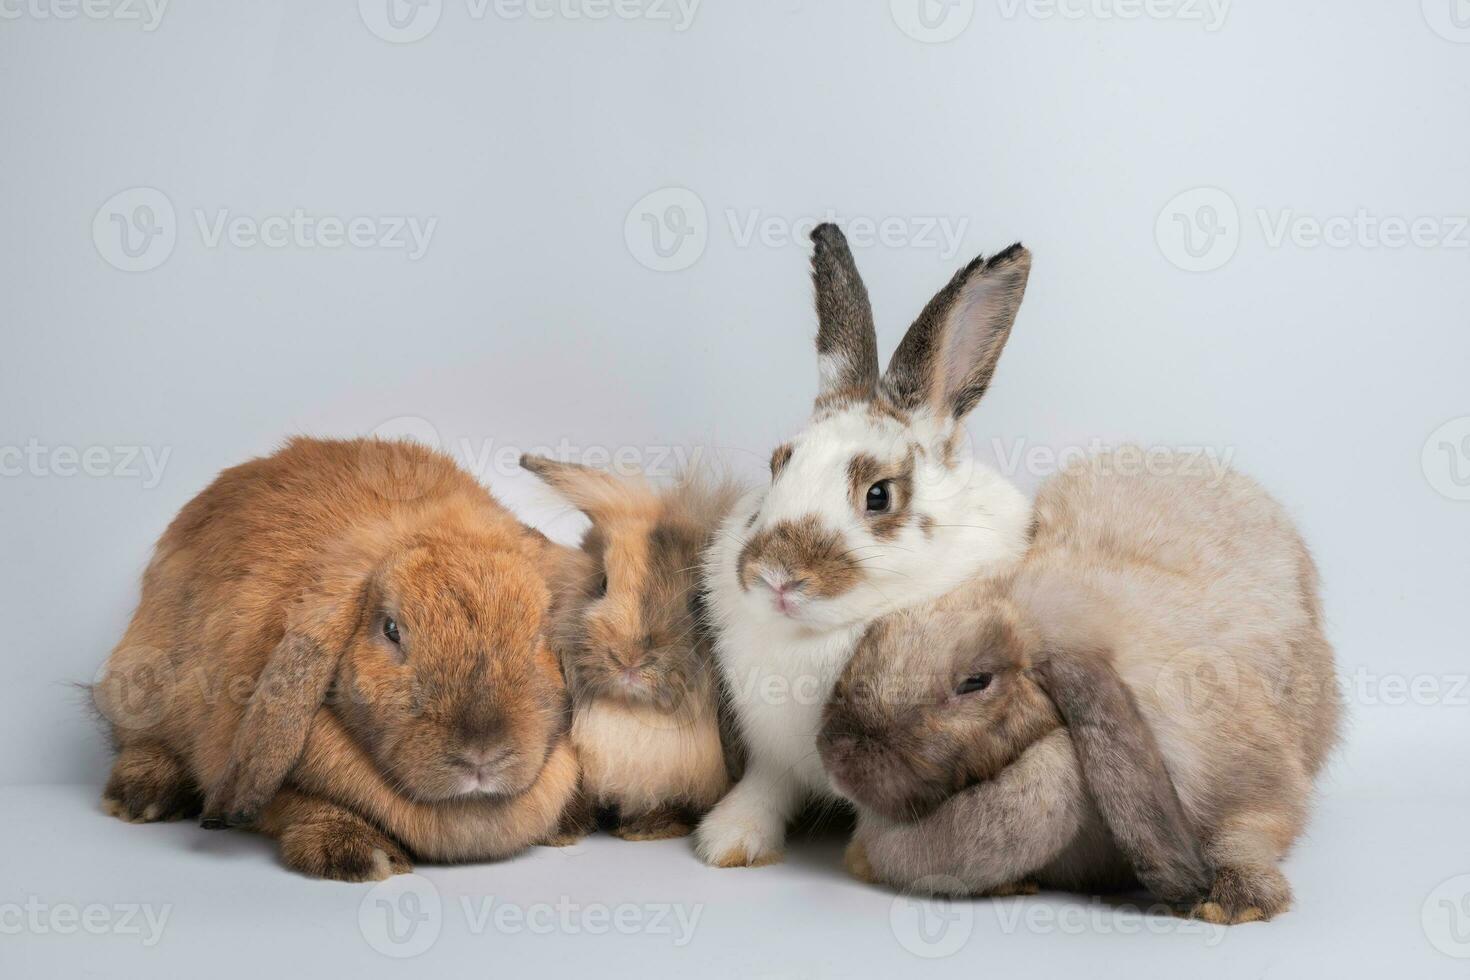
<point x="783" y="589"/>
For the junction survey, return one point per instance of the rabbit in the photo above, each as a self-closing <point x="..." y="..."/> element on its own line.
<point x="875" y="506"/>
<point x="1146" y="698"/>
<point x="646" y="718"/>
<point x="341" y="646"/>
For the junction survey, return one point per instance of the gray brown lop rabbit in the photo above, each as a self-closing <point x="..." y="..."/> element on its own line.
<point x="1148" y="693"/>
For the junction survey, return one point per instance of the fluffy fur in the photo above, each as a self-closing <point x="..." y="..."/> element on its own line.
<point x="1172" y="624"/>
<point x="646" y="720"/>
<point x="803" y="565"/>
<point x="258" y="682"/>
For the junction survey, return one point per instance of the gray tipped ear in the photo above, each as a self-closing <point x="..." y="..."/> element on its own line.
<point x="847" y="344"/>
<point x="272" y="731"/>
<point x="948" y="356"/>
<point x="1126" y="774"/>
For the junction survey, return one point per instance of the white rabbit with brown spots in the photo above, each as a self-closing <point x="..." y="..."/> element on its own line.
<point x="875" y="506"/>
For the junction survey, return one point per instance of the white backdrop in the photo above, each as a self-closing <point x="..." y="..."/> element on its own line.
<point x="580" y="225"/>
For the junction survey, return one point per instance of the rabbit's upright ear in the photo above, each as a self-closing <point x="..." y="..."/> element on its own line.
<point x="597" y="493"/>
<point x="273" y="728"/>
<point x="847" y="345"/>
<point x="947" y="358"/>
<point x="1126" y="774"/>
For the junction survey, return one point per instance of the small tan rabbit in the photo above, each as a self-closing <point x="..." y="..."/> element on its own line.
<point x="1172" y="624"/>
<point x="646" y="716"/>
<point x="341" y="645"/>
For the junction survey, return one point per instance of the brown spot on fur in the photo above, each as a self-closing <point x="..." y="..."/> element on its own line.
<point x="862" y="472"/>
<point x="881" y="408"/>
<point x="780" y="458"/>
<point x="805" y="551"/>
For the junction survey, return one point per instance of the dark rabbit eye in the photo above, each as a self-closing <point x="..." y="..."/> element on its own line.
<point x="880" y="498"/>
<point x="602" y="585"/>
<point x="390" y="628"/>
<point x="973" y="683"/>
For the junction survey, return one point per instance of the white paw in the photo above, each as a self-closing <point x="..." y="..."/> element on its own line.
<point x="740" y="833"/>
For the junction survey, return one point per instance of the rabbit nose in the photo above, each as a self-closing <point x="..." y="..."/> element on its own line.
<point x="484" y="759"/>
<point x="630" y="658"/>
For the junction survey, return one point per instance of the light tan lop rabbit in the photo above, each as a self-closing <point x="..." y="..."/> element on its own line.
<point x="341" y="645"/>
<point x="646" y="718"/>
<point x="1171" y="623"/>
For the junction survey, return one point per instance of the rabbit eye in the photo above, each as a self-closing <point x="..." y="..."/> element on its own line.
<point x="602" y="586"/>
<point x="390" y="628"/>
<point x="880" y="498"/>
<point x="973" y="683"/>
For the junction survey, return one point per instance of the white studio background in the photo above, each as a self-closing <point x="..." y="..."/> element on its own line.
<point x="511" y="224"/>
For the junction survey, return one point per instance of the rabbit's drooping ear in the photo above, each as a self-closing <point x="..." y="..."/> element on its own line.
<point x="272" y="730"/>
<point x="948" y="356"/>
<point x="597" y="493"/>
<point x="1126" y="774"/>
<point x="847" y="345"/>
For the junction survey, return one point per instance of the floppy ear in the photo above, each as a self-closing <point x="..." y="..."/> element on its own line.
<point x="272" y="731"/>
<point x="847" y="345"/>
<point x="948" y="356"/>
<point x="1126" y="774"/>
<point x="596" y="493"/>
